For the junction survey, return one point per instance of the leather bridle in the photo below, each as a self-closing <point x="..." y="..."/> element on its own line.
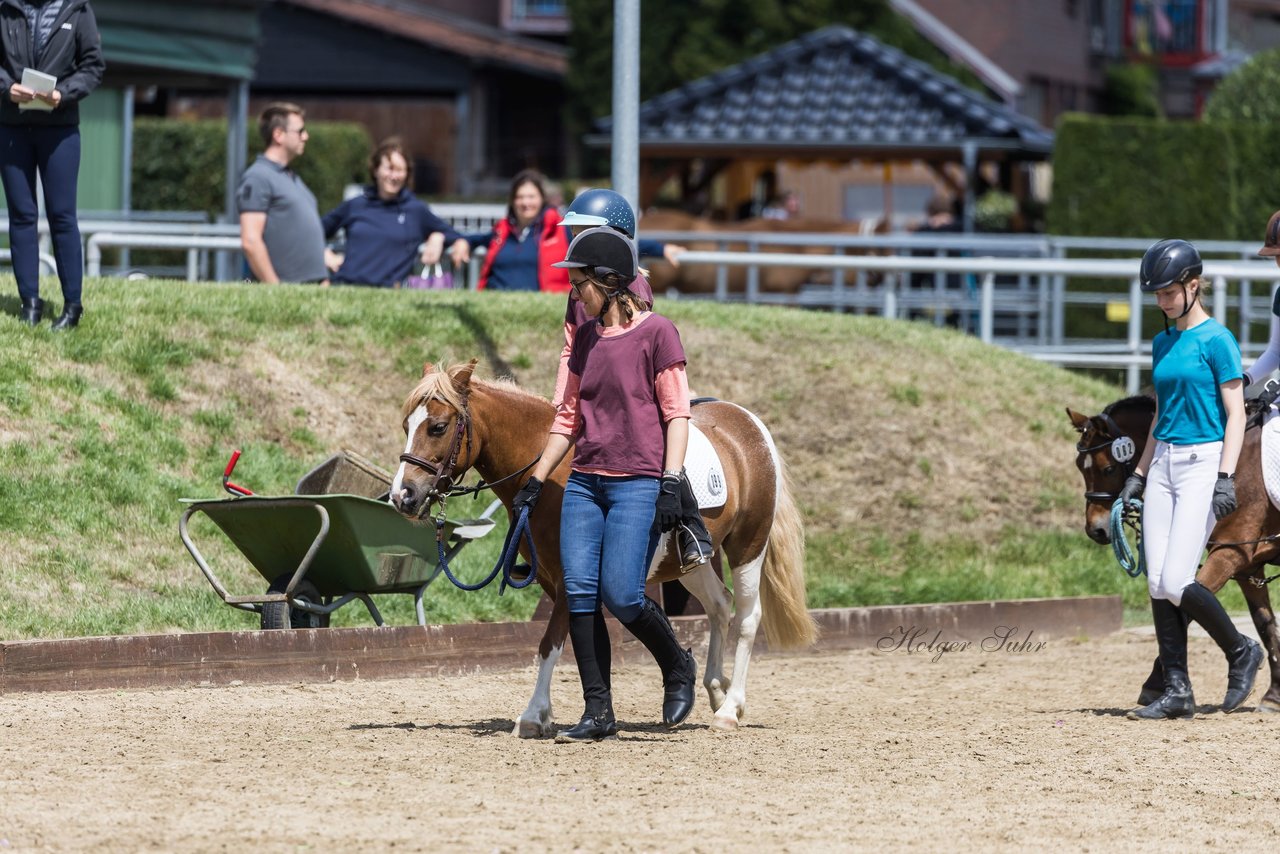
<point x="442" y="482"/>
<point x="442" y="485"/>
<point x="1114" y="429"/>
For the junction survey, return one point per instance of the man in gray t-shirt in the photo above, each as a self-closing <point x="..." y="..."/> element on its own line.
<point x="280" y="229"/>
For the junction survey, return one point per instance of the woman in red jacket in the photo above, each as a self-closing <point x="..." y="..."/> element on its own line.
<point x="522" y="247"/>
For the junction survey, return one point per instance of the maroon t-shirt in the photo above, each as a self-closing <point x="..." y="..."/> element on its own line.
<point x="575" y="315"/>
<point x="620" y="424"/>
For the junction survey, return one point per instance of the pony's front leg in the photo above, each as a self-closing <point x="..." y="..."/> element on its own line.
<point x="742" y="636"/>
<point x="705" y="586"/>
<point x="536" y="720"/>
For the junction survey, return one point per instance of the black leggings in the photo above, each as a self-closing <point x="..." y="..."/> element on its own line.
<point x="55" y="153"/>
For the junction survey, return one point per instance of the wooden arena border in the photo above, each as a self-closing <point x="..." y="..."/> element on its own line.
<point x="323" y="655"/>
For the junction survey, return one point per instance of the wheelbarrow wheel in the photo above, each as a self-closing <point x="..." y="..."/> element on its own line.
<point x="282" y="615"/>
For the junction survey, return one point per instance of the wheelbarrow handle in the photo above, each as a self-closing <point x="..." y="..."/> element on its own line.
<point x="234" y="489"/>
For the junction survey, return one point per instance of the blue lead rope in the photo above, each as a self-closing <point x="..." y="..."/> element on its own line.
<point x="1132" y="517"/>
<point x="506" y="561"/>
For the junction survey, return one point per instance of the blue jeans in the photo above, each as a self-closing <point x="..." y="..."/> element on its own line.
<point x="55" y="153"/>
<point x="607" y="542"/>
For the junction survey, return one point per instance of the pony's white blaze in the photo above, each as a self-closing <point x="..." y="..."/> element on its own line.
<point x="416" y="420"/>
<point x="536" y="720"/>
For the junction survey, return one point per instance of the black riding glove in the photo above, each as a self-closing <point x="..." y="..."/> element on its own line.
<point x="667" y="508"/>
<point x="527" y="496"/>
<point x="1134" y="484"/>
<point x="1224" y="496"/>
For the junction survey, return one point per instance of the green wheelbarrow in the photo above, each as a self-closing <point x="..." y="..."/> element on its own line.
<point x="320" y="550"/>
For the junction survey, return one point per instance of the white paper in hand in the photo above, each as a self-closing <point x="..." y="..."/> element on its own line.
<point x="40" y="83"/>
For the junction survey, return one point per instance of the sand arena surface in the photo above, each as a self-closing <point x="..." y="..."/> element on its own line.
<point x="854" y="750"/>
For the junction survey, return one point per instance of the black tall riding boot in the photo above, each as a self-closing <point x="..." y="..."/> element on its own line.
<point x="597" y="717"/>
<point x="32" y="310"/>
<point x="691" y="534"/>
<point x="679" y="670"/>
<point x="70" y="317"/>
<point x="604" y="653"/>
<point x="1177" y="701"/>
<point x="1154" y="686"/>
<point x="1244" y="654"/>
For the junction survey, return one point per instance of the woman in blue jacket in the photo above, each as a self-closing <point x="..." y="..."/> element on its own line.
<point x="40" y="135"/>
<point x="386" y="224"/>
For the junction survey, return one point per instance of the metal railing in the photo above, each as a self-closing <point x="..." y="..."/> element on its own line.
<point x="192" y="244"/>
<point x="889" y="300"/>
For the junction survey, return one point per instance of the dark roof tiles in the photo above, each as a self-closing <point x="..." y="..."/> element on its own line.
<point x="834" y="87"/>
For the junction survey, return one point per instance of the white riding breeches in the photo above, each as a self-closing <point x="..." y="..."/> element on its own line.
<point x="1177" y="514"/>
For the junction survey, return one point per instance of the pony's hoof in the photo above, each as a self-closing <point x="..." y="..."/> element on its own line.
<point x="723" y="723"/>
<point x="532" y="729"/>
<point x="1270" y="707"/>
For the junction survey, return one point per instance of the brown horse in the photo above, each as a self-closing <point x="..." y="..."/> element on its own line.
<point x="1241" y="545"/>
<point x="701" y="278"/>
<point x="455" y="422"/>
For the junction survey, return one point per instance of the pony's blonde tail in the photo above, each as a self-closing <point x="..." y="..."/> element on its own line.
<point x="785" y="617"/>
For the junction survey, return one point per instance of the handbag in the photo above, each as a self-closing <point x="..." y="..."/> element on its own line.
<point x="433" y="278"/>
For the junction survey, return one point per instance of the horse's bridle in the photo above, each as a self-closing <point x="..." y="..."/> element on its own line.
<point x="441" y="485"/>
<point x="1111" y="426"/>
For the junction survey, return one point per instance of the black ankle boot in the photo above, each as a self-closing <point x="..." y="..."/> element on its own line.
<point x="1154" y="686"/>
<point x="1244" y="655"/>
<point x="691" y="534"/>
<point x="32" y="310"/>
<point x="679" y="670"/>
<point x="70" y="317"/>
<point x="1176" y="701"/>
<point x="597" y="720"/>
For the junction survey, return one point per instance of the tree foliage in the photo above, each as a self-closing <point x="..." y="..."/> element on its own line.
<point x="681" y="41"/>
<point x="1248" y="93"/>
<point x="1132" y="90"/>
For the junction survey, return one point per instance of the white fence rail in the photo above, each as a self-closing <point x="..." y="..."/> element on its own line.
<point x="1134" y="355"/>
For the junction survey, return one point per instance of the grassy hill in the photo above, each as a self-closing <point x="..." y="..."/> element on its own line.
<point x="928" y="467"/>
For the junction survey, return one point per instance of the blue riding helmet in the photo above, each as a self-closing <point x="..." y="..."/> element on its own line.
<point x="599" y="206"/>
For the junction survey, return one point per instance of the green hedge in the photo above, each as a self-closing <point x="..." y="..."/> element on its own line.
<point x="1135" y="177"/>
<point x="181" y="165"/>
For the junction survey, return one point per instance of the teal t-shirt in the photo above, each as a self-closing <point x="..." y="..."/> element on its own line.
<point x="1187" y="368"/>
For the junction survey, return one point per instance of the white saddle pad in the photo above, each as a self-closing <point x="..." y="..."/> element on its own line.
<point x="702" y="465"/>
<point x="1271" y="456"/>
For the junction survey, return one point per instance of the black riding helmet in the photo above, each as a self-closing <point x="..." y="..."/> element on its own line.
<point x="1169" y="262"/>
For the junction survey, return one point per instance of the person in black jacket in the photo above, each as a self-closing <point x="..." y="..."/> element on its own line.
<point x="40" y="133"/>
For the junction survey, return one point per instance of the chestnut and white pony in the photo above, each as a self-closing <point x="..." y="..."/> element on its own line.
<point x="455" y="423"/>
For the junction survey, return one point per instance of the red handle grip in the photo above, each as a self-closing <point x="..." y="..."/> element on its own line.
<point x="231" y="464"/>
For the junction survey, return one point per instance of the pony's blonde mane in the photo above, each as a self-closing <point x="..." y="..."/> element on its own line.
<point x="439" y="385"/>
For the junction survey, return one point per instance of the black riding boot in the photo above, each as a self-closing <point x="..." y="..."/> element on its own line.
<point x="1177" y="701"/>
<point x="597" y="718"/>
<point x="70" y="318"/>
<point x="1244" y="655"/>
<point x="679" y="670"/>
<point x="32" y="310"/>
<point x="1154" y="686"/>
<point x="691" y="534"/>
